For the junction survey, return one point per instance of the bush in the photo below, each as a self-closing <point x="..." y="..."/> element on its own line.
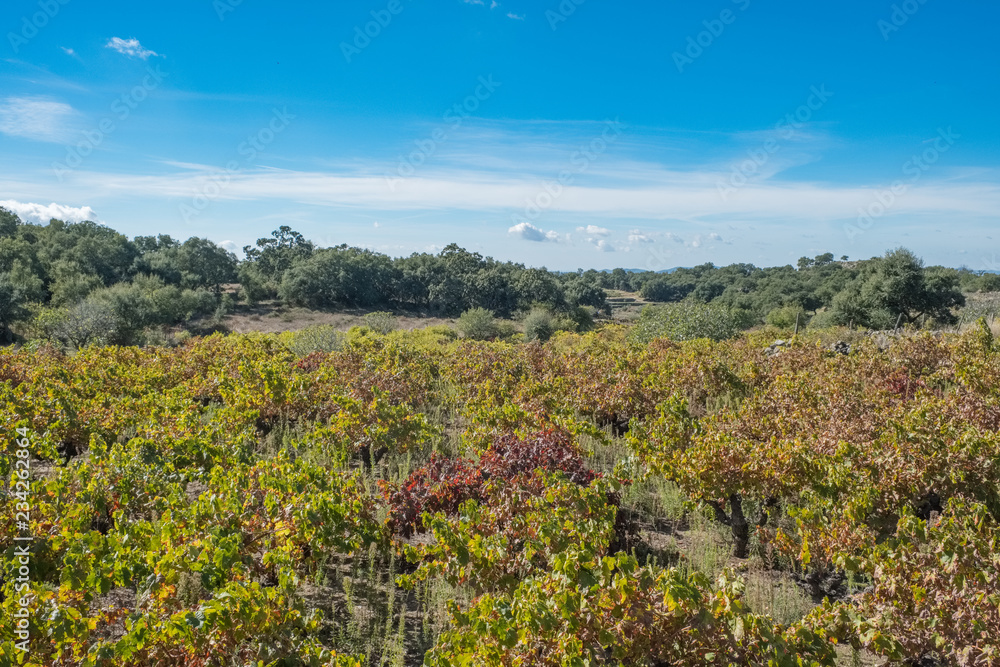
<point x="44" y="322"/>
<point x="786" y="318"/>
<point x="227" y="306"/>
<point x="442" y="330"/>
<point x="478" y="324"/>
<point x="381" y="322"/>
<point x="689" y="320"/>
<point x="85" y="324"/>
<point x="583" y="317"/>
<point x="321" y="338"/>
<point x="825" y="319"/>
<point x="539" y="325"/>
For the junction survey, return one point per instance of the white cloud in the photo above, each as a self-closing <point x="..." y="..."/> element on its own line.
<point x="714" y="237"/>
<point x="594" y="230"/>
<point x="130" y="47"/>
<point x="42" y="213"/>
<point x="38" y="118"/>
<point x="512" y="15"/>
<point x="529" y="232"/>
<point x="602" y="245"/>
<point x="636" y="236"/>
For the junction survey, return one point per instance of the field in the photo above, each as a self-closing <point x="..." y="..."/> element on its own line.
<point x="411" y="498"/>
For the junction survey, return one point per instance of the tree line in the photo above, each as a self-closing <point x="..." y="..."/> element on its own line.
<point x="68" y="279"/>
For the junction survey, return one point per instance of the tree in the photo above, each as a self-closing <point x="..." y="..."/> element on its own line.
<point x="584" y="292"/>
<point x="8" y="223"/>
<point x="273" y="256"/>
<point x="195" y="263"/>
<point x="12" y="305"/>
<point x="898" y="285"/>
<point x="538" y="286"/>
<point x="663" y="290"/>
<point x="339" y="276"/>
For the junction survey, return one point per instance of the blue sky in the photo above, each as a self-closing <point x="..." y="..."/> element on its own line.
<point x="568" y="134"/>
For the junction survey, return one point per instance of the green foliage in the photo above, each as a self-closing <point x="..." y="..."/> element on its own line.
<point x="897" y="286"/>
<point x="539" y="325"/>
<point x="688" y="320"/>
<point x="381" y="322"/>
<point x="84" y="324"/>
<point x="478" y="324"/>
<point x="339" y="276"/>
<point x="322" y="338"/>
<point x="584" y="291"/>
<point x="663" y="290"/>
<point x="787" y="317"/>
<point x="8" y="223"/>
<point x="192" y="264"/>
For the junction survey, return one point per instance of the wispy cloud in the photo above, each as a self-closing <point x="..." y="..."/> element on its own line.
<point x="130" y="47"/>
<point x="42" y="213"/>
<point x="628" y="198"/>
<point x="516" y="17"/>
<point x="660" y="194"/>
<point x="38" y="118"/>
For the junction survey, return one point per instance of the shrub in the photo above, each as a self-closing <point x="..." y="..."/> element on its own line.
<point x="444" y="484"/>
<point x="539" y="325"/>
<point x="226" y="307"/>
<point x="85" y="324"/>
<point x="478" y="324"/>
<point x="381" y="322"/>
<point x="825" y="319"/>
<point x="785" y="318"/>
<point x="321" y="338"/>
<point x="510" y="456"/>
<point x="689" y="320"/>
<point x="440" y="486"/>
<point x="442" y="330"/>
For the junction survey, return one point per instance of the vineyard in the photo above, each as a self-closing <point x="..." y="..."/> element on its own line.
<point x="410" y="499"/>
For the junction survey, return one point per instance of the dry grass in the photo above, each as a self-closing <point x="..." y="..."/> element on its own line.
<point x="275" y="318"/>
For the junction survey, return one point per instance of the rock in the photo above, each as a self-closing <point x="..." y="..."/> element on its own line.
<point x="776" y="347"/>
<point x="840" y="347"/>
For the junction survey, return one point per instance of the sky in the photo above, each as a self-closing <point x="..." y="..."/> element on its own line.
<point x="559" y="133"/>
